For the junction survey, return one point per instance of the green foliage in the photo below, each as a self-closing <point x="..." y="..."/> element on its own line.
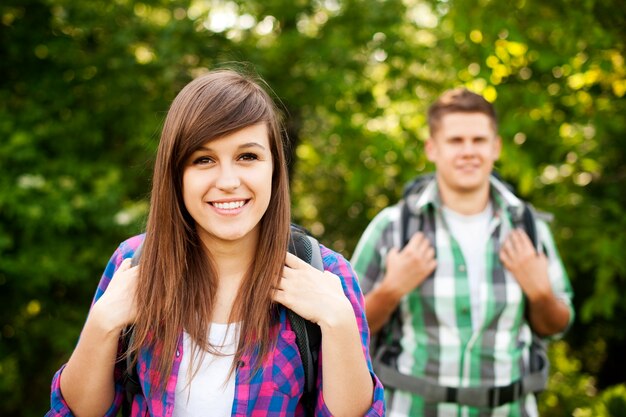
<point x="568" y="390"/>
<point x="574" y="393"/>
<point x="84" y="87"/>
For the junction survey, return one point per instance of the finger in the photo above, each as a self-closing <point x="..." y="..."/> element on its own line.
<point x="423" y="246"/>
<point x="125" y="265"/>
<point x="505" y="258"/>
<point x="519" y="237"/>
<point x="417" y="246"/>
<point x="432" y="264"/>
<point x="522" y="241"/>
<point x="278" y="296"/>
<point x="293" y="271"/>
<point x="430" y="253"/>
<point x="279" y="285"/>
<point x="415" y="241"/>
<point x="506" y="249"/>
<point x="508" y="243"/>
<point x="332" y="276"/>
<point x="542" y="256"/>
<point x="284" y="296"/>
<point x="292" y="261"/>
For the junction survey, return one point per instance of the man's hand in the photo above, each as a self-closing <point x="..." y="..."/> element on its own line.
<point x="409" y="267"/>
<point x="406" y="269"/>
<point x="529" y="268"/>
<point x="547" y="314"/>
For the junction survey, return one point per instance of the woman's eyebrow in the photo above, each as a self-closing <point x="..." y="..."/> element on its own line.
<point x="242" y="146"/>
<point x="251" y="145"/>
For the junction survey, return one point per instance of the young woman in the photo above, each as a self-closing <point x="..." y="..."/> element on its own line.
<point x="208" y="299"/>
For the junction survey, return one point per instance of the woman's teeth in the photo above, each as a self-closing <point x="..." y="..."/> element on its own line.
<point x="229" y="206"/>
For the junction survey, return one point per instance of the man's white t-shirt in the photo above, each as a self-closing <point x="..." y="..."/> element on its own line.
<point x="472" y="233"/>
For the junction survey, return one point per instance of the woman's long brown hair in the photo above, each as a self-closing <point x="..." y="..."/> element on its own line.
<point x="177" y="279"/>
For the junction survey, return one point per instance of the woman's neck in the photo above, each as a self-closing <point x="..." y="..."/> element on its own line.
<point x="232" y="260"/>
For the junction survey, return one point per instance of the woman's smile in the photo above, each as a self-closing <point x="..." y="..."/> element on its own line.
<point x="229" y="207"/>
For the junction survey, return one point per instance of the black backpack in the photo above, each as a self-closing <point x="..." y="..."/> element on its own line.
<point x="386" y="344"/>
<point x="308" y="334"/>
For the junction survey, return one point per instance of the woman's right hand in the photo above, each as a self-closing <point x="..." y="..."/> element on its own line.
<point x="117" y="304"/>
<point x="87" y="379"/>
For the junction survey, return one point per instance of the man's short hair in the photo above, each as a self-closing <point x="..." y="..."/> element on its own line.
<point x="459" y="100"/>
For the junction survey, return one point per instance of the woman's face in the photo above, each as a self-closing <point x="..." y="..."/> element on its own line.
<point x="227" y="185"/>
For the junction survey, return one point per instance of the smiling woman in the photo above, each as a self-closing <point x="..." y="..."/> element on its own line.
<point x="209" y="299"/>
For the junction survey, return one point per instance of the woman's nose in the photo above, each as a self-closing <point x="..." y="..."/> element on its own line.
<point x="228" y="179"/>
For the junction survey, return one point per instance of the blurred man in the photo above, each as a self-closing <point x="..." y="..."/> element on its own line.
<point x="460" y="276"/>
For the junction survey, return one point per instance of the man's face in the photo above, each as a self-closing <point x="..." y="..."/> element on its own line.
<point x="464" y="149"/>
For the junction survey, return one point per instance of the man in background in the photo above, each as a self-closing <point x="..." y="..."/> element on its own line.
<point x="455" y="284"/>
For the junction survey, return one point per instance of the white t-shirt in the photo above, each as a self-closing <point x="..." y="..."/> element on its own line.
<point x="210" y="393"/>
<point x="472" y="233"/>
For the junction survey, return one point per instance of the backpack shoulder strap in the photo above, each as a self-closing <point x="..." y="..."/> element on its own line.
<point x="385" y="345"/>
<point x="410" y="220"/>
<point x="539" y="363"/>
<point x="527" y="222"/>
<point x="308" y="334"/>
<point x="130" y="378"/>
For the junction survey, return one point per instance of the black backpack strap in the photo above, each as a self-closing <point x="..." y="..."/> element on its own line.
<point x="405" y="214"/>
<point x="530" y="226"/>
<point x="130" y="377"/>
<point x="539" y="364"/>
<point x="524" y="218"/>
<point x="308" y="334"/>
<point x="386" y="344"/>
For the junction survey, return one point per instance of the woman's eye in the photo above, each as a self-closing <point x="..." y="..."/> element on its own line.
<point x="248" y="157"/>
<point x="203" y="160"/>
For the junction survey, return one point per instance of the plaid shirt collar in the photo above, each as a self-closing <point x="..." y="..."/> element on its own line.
<point x="504" y="198"/>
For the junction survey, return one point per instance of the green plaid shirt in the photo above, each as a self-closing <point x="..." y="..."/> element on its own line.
<point x="438" y="341"/>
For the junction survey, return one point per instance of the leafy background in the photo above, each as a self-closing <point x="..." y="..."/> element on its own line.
<point x="84" y="87"/>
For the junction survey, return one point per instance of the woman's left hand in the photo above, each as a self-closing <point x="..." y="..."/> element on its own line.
<point x="316" y="296"/>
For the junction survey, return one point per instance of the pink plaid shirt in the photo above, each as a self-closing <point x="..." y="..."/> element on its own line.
<point x="275" y="390"/>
